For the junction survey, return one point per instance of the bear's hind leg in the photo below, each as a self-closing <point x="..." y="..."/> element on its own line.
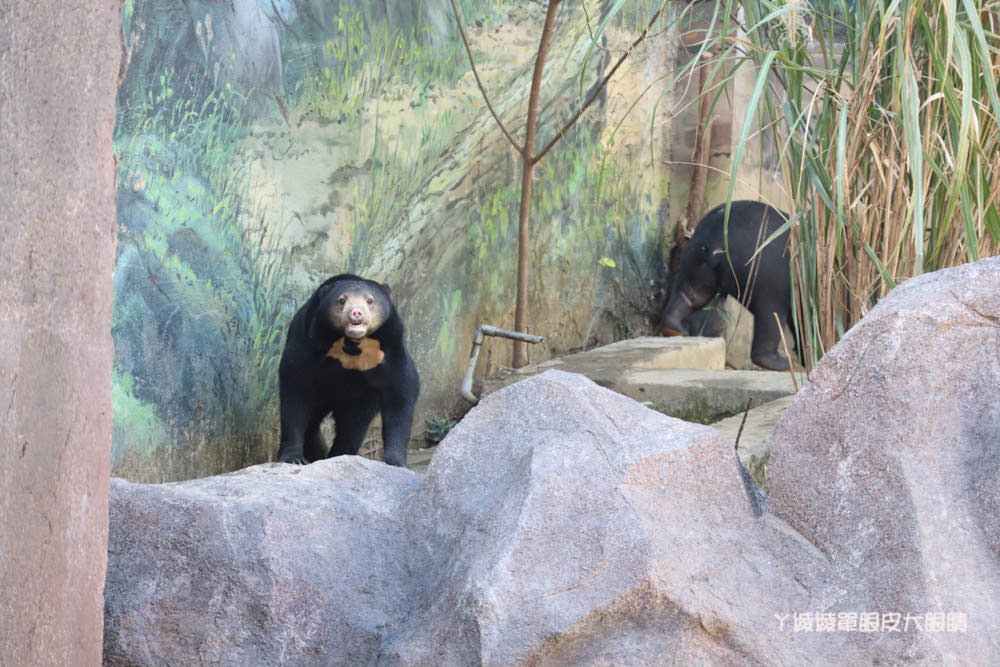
<point x="767" y="341"/>
<point x="315" y="446"/>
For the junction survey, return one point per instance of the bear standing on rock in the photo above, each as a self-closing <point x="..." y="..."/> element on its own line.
<point x="345" y="356"/>
<point x="760" y="281"/>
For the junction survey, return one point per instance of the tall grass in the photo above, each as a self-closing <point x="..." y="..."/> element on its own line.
<point x="366" y="56"/>
<point x="886" y="116"/>
<point x="178" y="150"/>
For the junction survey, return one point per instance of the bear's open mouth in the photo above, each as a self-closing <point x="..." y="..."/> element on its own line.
<point x="356" y="331"/>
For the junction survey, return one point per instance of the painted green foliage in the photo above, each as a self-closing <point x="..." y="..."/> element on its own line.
<point x="209" y="271"/>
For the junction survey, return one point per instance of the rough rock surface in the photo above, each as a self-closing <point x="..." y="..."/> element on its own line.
<point x="559" y="522"/>
<point x="888" y="461"/>
<point x="276" y="564"/>
<point x="753" y="442"/>
<point x="571" y="525"/>
<point x="58" y="72"/>
<point x="738" y="333"/>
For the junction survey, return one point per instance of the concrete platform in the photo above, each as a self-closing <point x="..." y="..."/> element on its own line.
<point x="683" y="377"/>
<point x="418" y="459"/>
<point x="650" y="352"/>
<point x="700" y="396"/>
<point x="605" y="364"/>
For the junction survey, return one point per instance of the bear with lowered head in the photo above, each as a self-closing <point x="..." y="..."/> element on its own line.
<point x="746" y="268"/>
<point x="345" y="356"/>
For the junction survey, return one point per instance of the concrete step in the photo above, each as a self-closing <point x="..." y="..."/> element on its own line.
<point x="418" y="459"/>
<point x="683" y="377"/>
<point x="700" y="396"/>
<point x="604" y="364"/>
<point x="649" y="352"/>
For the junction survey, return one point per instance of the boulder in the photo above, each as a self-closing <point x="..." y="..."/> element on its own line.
<point x="888" y="461"/>
<point x="558" y="522"/>
<point x="752" y="436"/>
<point x="737" y="328"/>
<point x="276" y="564"/>
<point x="573" y="526"/>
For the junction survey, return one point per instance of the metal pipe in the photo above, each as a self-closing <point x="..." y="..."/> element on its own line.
<point x="482" y="331"/>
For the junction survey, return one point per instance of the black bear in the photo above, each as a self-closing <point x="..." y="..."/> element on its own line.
<point x="761" y="283"/>
<point x="345" y="356"/>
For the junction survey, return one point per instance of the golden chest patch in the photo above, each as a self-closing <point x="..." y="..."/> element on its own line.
<point x="371" y="355"/>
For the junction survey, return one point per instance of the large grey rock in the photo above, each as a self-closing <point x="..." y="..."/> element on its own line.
<point x="276" y="564"/>
<point x="738" y="333"/>
<point x="888" y="461"/>
<point x="558" y="523"/>
<point x="562" y="523"/>
<point x="573" y="526"/>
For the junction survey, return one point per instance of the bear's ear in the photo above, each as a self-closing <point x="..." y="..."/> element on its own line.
<point x="384" y="288"/>
<point x="319" y="331"/>
<point x="322" y="291"/>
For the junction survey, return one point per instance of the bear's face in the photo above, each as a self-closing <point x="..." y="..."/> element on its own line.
<point x="355" y="309"/>
<point x="356" y="314"/>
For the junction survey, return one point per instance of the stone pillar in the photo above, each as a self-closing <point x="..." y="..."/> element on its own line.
<point x="59" y="64"/>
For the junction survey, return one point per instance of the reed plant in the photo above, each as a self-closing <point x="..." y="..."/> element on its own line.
<point x="885" y="114"/>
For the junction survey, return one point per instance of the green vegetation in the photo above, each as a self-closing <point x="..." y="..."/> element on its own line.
<point x="393" y="179"/>
<point x="367" y="58"/>
<point x="447" y="340"/>
<point x="203" y="280"/>
<point x="135" y="422"/>
<point x="633" y="15"/>
<point x="437" y="428"/>
<point x="885" y="115"/>
<point x="368" y="65"/>
<point x="584" y="218"/>
<point x="176" y="155"/>
<point x="492" y="240"/>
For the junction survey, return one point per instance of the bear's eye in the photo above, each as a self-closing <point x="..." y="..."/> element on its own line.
<point x="342" y="300"/>
<point x="371" y="301"/>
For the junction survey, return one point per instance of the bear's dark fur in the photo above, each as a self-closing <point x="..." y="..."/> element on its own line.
<point x="761" y="282"/>
<point x="345" y="356"/>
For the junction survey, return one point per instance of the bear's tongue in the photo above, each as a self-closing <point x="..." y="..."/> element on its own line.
<point x="356" y="331"/>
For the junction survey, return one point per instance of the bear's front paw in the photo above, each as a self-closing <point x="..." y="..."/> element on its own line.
<point x="297" y="460"/>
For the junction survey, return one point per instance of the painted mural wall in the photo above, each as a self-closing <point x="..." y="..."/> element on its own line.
<point x="264" y="145"/>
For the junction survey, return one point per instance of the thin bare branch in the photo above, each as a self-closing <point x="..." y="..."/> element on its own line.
<point x="486" y="98"/>
<point x="597" y="91"/>
<point x="527" y="171"/>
